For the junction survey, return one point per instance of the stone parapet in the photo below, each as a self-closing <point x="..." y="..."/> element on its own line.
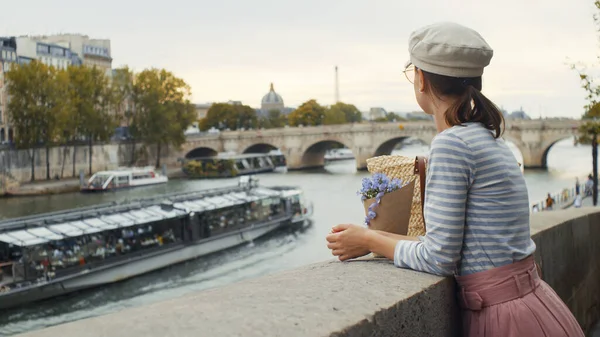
<point x="358" y="298"/>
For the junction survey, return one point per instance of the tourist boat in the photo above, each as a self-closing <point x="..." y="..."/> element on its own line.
<point x="53" y="254"/>
<point x="339" y="154"/>
<point x="232" y="165"/>
<point x="124" y="178"/>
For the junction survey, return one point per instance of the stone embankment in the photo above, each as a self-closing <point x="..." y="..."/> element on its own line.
<point x="359" y="298"/>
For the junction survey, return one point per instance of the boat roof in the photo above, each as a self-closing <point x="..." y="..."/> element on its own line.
<point x="239" y="156"/>
<point x="38" y="229"/>
<point x="127" y="170"/>
<point x="65" y="229"/>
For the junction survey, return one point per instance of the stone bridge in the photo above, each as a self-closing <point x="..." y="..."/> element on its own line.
<point x="304" y="147"/>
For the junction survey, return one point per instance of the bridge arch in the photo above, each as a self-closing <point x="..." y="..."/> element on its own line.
<point x="548" y="146"/>
<point x="200" y="152"/>
<point x="386" y="147"/>
<point x="260" y="148"/>
<point x="313" y="155"/>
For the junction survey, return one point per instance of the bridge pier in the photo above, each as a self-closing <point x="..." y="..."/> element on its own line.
<point x="534" y="159"/>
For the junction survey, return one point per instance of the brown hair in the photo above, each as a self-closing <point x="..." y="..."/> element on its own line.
<point x="471" y="105"/>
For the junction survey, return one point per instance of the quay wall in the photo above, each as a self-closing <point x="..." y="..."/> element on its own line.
<point x="366" y="297"/>
<point x="16" y="164"/>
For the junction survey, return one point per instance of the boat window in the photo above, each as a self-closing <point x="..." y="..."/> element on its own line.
<point x="98" y="180"/>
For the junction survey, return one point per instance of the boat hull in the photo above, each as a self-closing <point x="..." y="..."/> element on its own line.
<point x="147" y="183"/>
<point x="140" y="265"/>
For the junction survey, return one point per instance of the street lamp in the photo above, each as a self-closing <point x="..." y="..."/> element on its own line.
<point x="595" y="163"/>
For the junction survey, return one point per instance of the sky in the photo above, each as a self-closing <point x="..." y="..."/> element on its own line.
<point x="232" y="50"/>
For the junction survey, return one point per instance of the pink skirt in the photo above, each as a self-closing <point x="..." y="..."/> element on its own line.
<point x="513" y="301"/>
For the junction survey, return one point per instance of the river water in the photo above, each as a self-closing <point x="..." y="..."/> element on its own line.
<point x="332" y="190"/>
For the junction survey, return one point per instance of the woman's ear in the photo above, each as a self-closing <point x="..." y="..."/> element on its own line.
<point x="421" y="81"/>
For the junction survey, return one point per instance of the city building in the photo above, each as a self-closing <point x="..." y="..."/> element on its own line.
<point x="519" y="114"/>
<point x="91" y="52"/>
<point x="50" y="54"/>
<point x="272" y="101"/>
<point x="202" y="110"/>
<point x="8" y="57"/>
<point x="376" y="113"/>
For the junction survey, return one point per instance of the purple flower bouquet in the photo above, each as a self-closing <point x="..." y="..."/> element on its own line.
<point x="387" y="203"/>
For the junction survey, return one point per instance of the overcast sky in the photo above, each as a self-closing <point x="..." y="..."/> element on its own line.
<point x="229" y="49"/>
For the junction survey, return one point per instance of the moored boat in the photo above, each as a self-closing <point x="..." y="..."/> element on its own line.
<point x="338" y="154"/>
<point x="232" y="165"/>
<point x="58" y="253"/>
<point x="123" y="178"/>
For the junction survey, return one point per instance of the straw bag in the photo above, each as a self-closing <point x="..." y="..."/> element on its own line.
<point x="409" y="170"/>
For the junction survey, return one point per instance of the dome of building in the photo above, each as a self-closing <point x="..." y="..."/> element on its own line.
<point x="272" y="100"/>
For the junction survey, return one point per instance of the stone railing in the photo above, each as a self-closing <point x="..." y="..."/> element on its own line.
<point x="358" y="298"/>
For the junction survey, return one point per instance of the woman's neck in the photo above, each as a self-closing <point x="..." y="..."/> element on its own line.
<point x="439" y="109"/>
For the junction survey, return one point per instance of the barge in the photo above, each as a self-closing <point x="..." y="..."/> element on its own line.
<point x="53" y="254"/>
<point x="226" y="165"/>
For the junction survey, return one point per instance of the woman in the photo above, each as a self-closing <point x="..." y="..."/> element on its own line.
<point x="476" y="202"/>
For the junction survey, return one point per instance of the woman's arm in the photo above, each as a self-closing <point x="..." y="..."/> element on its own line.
<point x="397" y="237"/>
<point x="384" y="243"/>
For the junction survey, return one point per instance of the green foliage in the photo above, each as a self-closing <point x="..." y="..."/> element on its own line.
<point x="36" y="103"/>
<point x="334" y="116"/>
<point x="350" y="112"/>
<point x="163" y="110"/>
<point x="228" y="116"/>
<point x="308" y="114"/>
<point x="393" y="117"/>
<point x="122" y="94"/>
<point x="37" y="106"/>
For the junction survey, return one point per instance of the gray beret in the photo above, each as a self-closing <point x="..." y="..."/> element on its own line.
<point x="449" y="49"/>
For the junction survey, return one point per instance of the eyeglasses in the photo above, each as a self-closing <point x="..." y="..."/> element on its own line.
<point x="409" y="72"/>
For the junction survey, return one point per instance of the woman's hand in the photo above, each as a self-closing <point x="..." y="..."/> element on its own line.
<point x="348" y="241"/>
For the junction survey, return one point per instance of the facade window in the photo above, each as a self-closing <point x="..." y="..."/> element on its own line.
<point x="44" y="49"/>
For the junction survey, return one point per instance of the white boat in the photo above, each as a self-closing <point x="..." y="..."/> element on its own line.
<point x="339" y="154"/>
<point x="124" y="178"/>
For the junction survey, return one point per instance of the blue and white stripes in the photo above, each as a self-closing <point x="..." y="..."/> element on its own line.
<point x="476" y="206"/>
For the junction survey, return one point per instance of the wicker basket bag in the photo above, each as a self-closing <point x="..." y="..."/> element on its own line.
<point x="409" y="170"/>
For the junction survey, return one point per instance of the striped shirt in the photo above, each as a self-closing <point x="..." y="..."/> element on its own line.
<point x="476" y="206"/>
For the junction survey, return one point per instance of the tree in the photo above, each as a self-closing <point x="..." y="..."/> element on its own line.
<point x="228" y="116"/>
<point x="394" y="117"/>
<point x="163" y="109"/>
<point x="334" y="116"/>
<point x="307" y="114"/>
<point x="121" y="85"/>
<point x="350" y="112"/>
<point x="123" y="101"/>
<point x="589" y="130"/>
<point x="276" y="118"/>
<point x="91" y="99"/>
<point x="35" y="107"/>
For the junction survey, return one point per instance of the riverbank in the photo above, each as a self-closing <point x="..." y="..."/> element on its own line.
<point x="62" y="186"/>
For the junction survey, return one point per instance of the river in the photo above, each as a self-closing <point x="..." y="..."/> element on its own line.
<point x="332" y="190"/>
